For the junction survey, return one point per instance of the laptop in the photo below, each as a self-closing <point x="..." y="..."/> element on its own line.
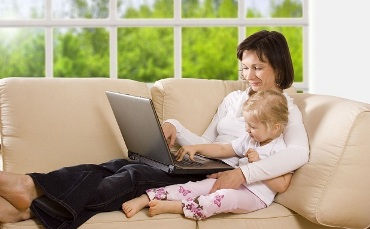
<point x="143" y="135"/>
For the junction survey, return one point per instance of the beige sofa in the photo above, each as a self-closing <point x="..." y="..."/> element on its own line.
<point x="47" y="123"/>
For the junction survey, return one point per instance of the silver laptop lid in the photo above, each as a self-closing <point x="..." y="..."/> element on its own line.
<point x="143" y="134"/>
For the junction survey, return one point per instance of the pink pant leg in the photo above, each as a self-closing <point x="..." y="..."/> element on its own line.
<point x="181" y="191"/>
<point x="224" y="200"/>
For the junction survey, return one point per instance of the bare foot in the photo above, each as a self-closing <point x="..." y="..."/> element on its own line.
<point x="131" y="207"/>
<point x="9" y="214"/>
<point x="157" y="207"/>
<point x="18" y="189"/>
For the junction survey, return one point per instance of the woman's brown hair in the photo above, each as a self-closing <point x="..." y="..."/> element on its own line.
<point x="271" y="47"/>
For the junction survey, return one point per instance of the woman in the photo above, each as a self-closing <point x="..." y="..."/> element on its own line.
<point x="85" y="190"/>
<point x="266" y="63"/>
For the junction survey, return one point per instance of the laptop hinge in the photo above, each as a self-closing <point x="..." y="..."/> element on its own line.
<point x="137" y="157"/>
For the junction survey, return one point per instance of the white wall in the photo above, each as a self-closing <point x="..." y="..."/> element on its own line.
<point x="339" y="53"/>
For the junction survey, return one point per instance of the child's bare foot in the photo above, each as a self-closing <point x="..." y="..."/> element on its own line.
<point x="131" y="207"/>
<point x="157" y="207"/>
<point x="18" y="189"/>
<point x="9" y="214"/>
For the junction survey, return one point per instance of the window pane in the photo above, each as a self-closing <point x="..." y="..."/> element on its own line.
<point x="294" y="36"/>
<point x="273" y="8"/>
<point x="209" y="9"/>
<point x="72" y="9"/>
<point x="81" y="52"/>
<point x="22" y="52"/>
<point x="210" y="53"/>
<point x="145" y="54"/>
<point x="145" y="9"/>
<point x="22" y="9"/>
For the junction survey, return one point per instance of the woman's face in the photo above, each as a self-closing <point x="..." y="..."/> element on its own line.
<point x="259" y="75"/>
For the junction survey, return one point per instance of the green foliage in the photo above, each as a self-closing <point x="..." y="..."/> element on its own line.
<point x="210" y="53"/>
<point x="287" y="8"/>
<point x="81" y="53"/>
<point x="144" y="54"/>
<point x="22" y="52"/>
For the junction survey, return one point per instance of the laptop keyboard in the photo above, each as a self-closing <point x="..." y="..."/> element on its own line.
<point x="188" y="163"/>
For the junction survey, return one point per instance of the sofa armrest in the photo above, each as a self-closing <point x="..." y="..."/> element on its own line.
<point x="333" y="187"/>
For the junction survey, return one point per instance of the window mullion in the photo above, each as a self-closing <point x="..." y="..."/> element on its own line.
<point x="113" y="39"/>
<point x="49" y="52"/>
<point x="177" y="40"/>
<point x="241" y="16"/>
<point x="306" y="80"/>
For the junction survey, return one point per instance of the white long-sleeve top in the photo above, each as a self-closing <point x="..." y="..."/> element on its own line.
<point x="228" y="124"/>
<point x="241" y="146"/>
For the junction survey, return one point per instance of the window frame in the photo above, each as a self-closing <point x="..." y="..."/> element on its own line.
<point x="177" y="22"/>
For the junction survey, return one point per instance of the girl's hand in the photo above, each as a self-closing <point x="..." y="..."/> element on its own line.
<point x="252" y="155"/>
<point x="190" y="150"/>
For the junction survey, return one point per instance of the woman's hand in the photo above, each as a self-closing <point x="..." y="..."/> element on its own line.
<point x="231" y="179"/>
<point x="190" y="150"/>
<point x="169" y="132"/>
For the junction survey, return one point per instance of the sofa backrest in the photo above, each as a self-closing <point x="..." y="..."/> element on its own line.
<point x="47" y="123"/>
<point x="193" y="102"/>
<point x="333" y="187"/>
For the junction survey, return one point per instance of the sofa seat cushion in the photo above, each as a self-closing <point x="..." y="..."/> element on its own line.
<point x="118" y="220"/>
<point x="275" y="216"/>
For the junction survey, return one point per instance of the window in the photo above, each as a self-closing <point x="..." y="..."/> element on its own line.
<point x="144" y="40"/>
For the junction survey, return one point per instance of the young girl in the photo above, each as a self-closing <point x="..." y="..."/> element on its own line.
<point x="266" y="115"/>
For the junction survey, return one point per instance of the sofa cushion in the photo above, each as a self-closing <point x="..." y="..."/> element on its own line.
<point x="118" y="220"/>
<point x="47" y="123"/>
<point x="274" y="216"/>
<point x="333" y="187"/>
<point x="193" y="102"/>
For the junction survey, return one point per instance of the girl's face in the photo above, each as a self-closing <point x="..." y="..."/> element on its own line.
<point x="257" y="130"/>
<point x="259" y="75"/>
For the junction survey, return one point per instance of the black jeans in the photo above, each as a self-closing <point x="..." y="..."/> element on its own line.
<point x="75" y="194"/>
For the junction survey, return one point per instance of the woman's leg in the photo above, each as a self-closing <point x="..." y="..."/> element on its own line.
<point x="10" y="214"/>
<point x="18" y="189"/>
<point x="90" y="189"/>
<point x="64" y="204"/>
<point x="132" y="181"/>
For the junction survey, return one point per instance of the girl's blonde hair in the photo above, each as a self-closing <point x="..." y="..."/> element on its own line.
<point x="270" y="107"/>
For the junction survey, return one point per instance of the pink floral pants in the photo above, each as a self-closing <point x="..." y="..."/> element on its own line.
<point x="198" y="204"/>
